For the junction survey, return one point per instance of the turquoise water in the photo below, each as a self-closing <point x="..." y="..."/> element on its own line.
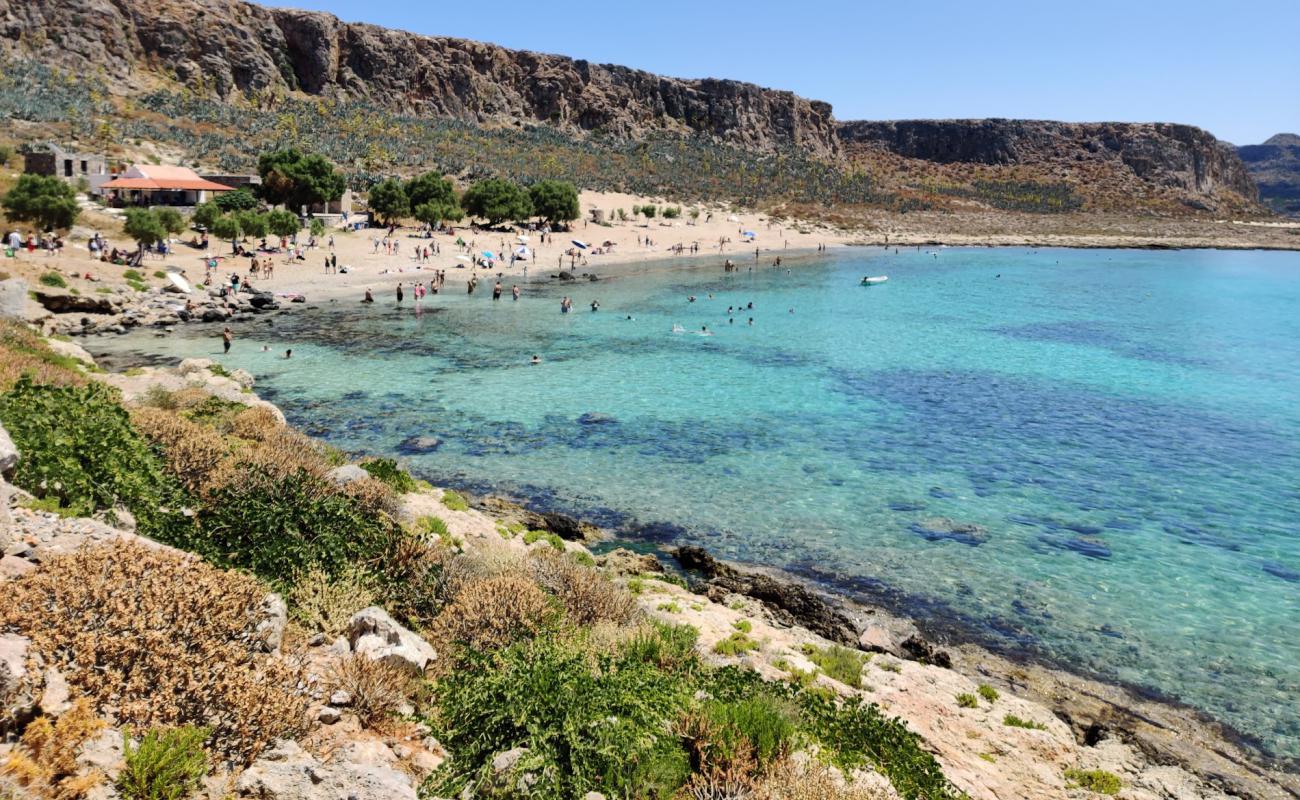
<point x="1092" y="456"/>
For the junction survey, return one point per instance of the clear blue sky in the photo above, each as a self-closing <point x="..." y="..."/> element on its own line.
<point x="1233" y="68"/>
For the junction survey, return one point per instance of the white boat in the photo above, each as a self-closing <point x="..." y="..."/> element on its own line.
<point x="874" y="280"/>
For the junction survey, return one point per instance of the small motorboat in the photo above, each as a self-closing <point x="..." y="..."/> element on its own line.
<point x="874" y="280"/>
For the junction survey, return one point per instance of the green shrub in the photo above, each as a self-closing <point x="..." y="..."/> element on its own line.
<point x="667" y="646"/>
<point x="988" y="692"/>
<point x="636" y="585"/>
<point x="387" y="471"/>
<point x="277" y="527"/>
<point x="743" y="625"/>
<point x="454" y="501"/>
<point x="763" y="724"/>
<point x="133" y="275"/>
<point x="591" y="722"/>
<point x="584" y="558"/>
<point x="53" y="279"/>
<point x="436" y="527"/>
<point x="968" y="700"/>
<point x="1011" y="720"/>
<point x="159" y="274"/>
<point x="840" y="663"/>
<point x="735" y="645"/>
<point x="553" y="539"/>
<point x="167" y="764"/>
<point x="325" y="604"/>
<point x="79" y="448"/>
<point x="670" y="607"/>
<point x="1095" y="780"/>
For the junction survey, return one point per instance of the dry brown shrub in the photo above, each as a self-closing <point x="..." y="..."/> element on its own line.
<point x="411" y="576"/>
<point x="24" y="352"/>
<point x="378" y="688"/>
<point x="45" y="765"/>
<point x="718" y="773"/>
<point x="494" y="612"/>
<point x="374" y="496"/>
<point x="280" y="455"/>
<point x="587" y="595"/>
<point x="469" y="568"/>
<point x="188" y="397"/>
<point x="789" y="779"/>
<point x="255" y="423"/>
<point x="193" y="452"/>
<point x="325" y="604"/>
<point x="164" y="638"/>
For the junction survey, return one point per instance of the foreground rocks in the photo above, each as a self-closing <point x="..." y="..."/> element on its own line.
<point x="361" y="772"/>
<point x="373" y="633"/>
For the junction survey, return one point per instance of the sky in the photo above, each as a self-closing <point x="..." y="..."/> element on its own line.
<point x="1232" y="68"/>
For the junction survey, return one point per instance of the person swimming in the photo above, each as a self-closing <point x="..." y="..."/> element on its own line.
<point x="536" y="360"/>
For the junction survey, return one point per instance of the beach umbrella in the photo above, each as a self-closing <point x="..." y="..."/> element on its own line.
<point x="578" y="244"/>
<point x="750" y="234"/>
<point x="487" y="254"/>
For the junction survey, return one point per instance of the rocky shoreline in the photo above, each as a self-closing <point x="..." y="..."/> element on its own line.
<point x="1165" y="732"/>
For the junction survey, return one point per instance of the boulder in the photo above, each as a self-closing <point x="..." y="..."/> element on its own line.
<point x="372" y="632"/>
<point x="190" y="366"/>
<point x="8" y="453"/>
<point x="416" y="445"/>
<point x="567" y="527"/>
<point x="16" y="694"/>
<point x="272" y="622"/>
<point x="348" y="473"/>
<point x="13" y="298"/>
<point x="287" y="772"/>
<point x="243" y="377"/>
<point x="14" y="567"/>
<point x="328" y="715"/>
<point x="56" y="698"/>
<point x="504" y="762"/>
<point x="622" y="561"/>
<point x="60" y="302"/>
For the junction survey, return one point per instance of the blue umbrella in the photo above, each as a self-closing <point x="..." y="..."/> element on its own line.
<point x="582" y="245"/>
<point x="488" y="254"/>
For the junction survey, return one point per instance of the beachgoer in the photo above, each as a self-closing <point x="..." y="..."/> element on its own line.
<point x="536" y="360"/>
<point x="399" y="292"/>
<point x="288" y="353"/>
<point x="226" y="337"/>
<point x="514" y="291"/>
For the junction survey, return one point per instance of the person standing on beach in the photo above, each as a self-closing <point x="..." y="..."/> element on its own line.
<point x="399" y="293"/>
<point x="226" y="337"/>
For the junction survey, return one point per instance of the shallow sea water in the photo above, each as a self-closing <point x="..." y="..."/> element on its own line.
<point x="1093" y="456"/>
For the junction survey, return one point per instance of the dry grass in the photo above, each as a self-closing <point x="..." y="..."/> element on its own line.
<point x="378" y="688"/>
<point x="587" y="595"/>
<point x="811" y="780"/>
<point x="164" y="638"/>
<point x="44" y="765"/>
<point x="193" y="452"/>
<point x="325" y="604"/>
<point x="23" y="352"/>
<point x="257" y="424"/>
<point x="495" y="612"/>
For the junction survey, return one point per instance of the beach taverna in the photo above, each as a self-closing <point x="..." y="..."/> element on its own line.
<point x="152" y="185"/>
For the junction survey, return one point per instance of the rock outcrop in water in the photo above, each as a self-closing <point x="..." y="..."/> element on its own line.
<point x="229" y="46"/>
<point x="1182" y="158"/>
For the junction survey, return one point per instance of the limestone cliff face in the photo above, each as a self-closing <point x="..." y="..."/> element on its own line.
<point x="1275" y="165"/>
<point x="1179" y="157"/>
<point x="229" y="46"/>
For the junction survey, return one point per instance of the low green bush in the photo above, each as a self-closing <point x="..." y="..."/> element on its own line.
<point x="760" y="723"/>
<point x="840" y="663"/>
<point x="743" y="625"/>
<point x="80" y="450"/>
<point x="387" y="471"/>
<point x="454" y="501"/>
<point x="278" y="527"/>
<point x="988" y="692"/>
<point x="553" y="539"/>
<point x="53" y="279"/>
<point x="1095" y="780"/>
<point x="591" y="722"/>
<point x="167" y="764"/>
<point x="667" y="646"/>
<point x="736" y="644"/>
<point x="133" y="276"/>
<point x="1012" y="721"/>
<point x="968" y="700"/>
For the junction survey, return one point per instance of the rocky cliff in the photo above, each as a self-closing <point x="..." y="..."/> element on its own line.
<point x="228" y="46"/>
<point x="1178" y="157"/>
<point x="1275" y="166"/>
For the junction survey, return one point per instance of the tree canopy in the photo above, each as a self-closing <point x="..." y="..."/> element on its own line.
<point x="555" y="201"/>
<point x="241" y="199"/>
<point x="206" y="213"/>
<point x="170" y="219"/>
<point x="497" y="200"/>
<point x="253" y="224"/>
<point x="387" y="200"/>
<point x="283" y="223"/>
<point x="43" y="199"/>
<point x="144" y="226"/>
<point x="227" y="227"/>
<point x="430" y="188"/>
<point x="298" y="179"/>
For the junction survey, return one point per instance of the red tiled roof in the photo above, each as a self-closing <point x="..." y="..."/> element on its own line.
<point x="159" y="178"/>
